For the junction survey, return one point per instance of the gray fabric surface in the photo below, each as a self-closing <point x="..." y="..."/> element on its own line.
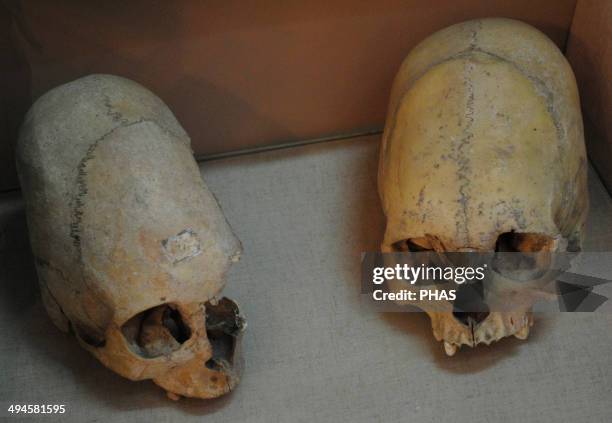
<point x="313" y="352"/>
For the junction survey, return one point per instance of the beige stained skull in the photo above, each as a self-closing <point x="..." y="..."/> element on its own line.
<point x="131" y="247"/>
<point x="483" y="148"/>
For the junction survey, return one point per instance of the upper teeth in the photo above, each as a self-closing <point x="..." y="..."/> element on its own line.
<point x="449" y="348"/>
<point x="523" y="333"/>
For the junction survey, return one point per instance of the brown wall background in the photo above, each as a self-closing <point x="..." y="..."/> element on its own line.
<point x="14" y="94"/>
<point x="590" y="53"/>
<point x="242" y="74"/>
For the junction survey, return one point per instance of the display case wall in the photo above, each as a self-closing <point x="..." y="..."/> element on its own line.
<point x="241" y="75"/>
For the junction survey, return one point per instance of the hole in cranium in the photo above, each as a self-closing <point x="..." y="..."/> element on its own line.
<point x="469" y="306"/>
<point x="522" y="256"/>
<point x="157" y="331"/>
<point x="223" y="325"/>
<point x="413" y="245"/>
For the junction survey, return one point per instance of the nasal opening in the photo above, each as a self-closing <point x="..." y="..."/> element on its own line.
<point x="223" y="328"/>
<point x="469" y="306"/>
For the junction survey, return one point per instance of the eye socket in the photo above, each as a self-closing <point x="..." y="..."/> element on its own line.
<point x="156" y="331"/>
<point x="522" y="256"/>
<point x="515" y="242"/>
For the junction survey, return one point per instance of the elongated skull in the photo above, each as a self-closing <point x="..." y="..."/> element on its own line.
<point x="483" y="150"/>
<point x="131" y="247"/>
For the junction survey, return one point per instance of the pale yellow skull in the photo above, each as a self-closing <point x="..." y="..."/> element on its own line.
<point x="483" y="148"/>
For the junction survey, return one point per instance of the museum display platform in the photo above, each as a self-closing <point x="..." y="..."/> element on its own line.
<point x="312" y="350"/>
